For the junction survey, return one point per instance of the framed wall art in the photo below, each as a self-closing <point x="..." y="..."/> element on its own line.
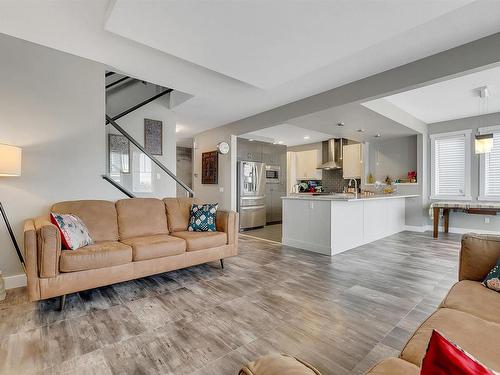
<point x="209" y="167"/>
<point x="153" y="136"/>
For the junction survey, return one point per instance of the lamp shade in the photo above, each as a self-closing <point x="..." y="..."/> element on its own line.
<point x="10" y="160"/>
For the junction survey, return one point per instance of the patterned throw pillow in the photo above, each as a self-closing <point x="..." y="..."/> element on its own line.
<point x="202" y="218"/>
<point x="492" y="279"/>
<point x="74" y="233"/>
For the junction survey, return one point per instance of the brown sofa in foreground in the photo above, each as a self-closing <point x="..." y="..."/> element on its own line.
<point x="469" y="316"/>
<point x="133" y="238"/>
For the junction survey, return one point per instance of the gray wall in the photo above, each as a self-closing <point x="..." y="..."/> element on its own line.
<point x="461" y="220"/>
<point x="51" y="105"/>
<point x="184" y="168"/>
<point x="395" y="157"/>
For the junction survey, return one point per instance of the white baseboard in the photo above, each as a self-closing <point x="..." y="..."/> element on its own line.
<point x="15" y="281"/>
<point x="307" y="246"/>
<point x="457" y="230"/>
<point x="415" y="228"/>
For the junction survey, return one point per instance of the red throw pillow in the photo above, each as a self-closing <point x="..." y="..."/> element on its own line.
<point x="445" y="358"/>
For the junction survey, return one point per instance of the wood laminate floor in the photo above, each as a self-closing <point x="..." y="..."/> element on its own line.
<point x="272" y="232"/>
<point x="342" y="314"/>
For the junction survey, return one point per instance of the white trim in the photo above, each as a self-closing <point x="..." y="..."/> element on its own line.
<point x="451" y="197"/>
<point x="325" y="250"/>
<point x="489" y="198"/>
<point x="455" y="230"/>
<point x="451" y="134"/>
<point x="15" y="281"/>
<point x="415" y="228"/>
<point x="489" y="129"/>
<point x="468" y="155"/>
<point x="482" y="182"/>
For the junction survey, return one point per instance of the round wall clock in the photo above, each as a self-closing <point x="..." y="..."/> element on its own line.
<point x="223" y="148"/>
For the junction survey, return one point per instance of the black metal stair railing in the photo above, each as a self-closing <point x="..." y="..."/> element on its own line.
<point x="112" y="121"/>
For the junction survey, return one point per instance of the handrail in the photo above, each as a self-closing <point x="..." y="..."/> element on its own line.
<point x="137" y="106"/>
<point x="118" y="186"/>
<point x="155" y="160"/>
<point x="118" y="81"/>
<point x="108" y="74"/>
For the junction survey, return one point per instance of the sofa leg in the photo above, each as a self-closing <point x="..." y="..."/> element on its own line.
<point x="62" y="302"/>
<point x="222" y="263"/>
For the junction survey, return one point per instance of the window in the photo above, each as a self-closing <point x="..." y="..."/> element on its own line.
<point x="450" y="165"/>
<point x="142" y="174"/>
<point x="489" y="168"/>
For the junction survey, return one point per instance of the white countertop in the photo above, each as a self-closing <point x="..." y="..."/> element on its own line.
<point x="343" y="198"/>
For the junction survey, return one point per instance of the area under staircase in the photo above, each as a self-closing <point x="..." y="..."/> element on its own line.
<point x="130" y="168"/>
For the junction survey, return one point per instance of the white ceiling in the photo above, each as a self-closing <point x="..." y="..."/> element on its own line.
<point x="286" y="134"/>
<point x="354" y="117"/>
<point x="268" y="43"/>
<point x="452" y="99"/>
<point x="258" y="38"/>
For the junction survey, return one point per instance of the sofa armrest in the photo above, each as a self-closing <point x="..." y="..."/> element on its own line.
<point x="48" y="246"/>
<point x="478" y="255"/>
<point x="31" y="259"/>
<point x="227" y="222"/>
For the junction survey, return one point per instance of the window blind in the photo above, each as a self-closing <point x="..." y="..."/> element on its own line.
<point x="450" y="166"/>
<point x="492" y="168"/>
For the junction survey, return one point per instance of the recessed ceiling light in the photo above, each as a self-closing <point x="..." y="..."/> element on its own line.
<point x="341" y="123"/>
<point x="306" y="137"/>
<point x="378" y="135"/>
<point x="361" y="130"/>
<point x="251" y="140"/>
<point x="274" y="142"/>
<point x="280" y="142"/>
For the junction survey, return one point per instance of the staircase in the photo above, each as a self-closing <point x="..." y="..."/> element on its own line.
<point x="132" y="169"/>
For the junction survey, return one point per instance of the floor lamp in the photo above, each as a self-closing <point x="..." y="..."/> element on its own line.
<point x="10" y="165"/>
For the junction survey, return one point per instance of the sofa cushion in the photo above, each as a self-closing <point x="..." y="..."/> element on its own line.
<point x="99" y="217"/>
<point x="278" y="365"/>
<point x="97" y="255"/>
<point x="157" y="246"/>
<point x="394" y="366"/>
<point x="473" y="298"/>
<point x="202" y="240"/>
<point x="178" y="210"/>
<point x="474" y="335"/>
<point x="139" y="217"/>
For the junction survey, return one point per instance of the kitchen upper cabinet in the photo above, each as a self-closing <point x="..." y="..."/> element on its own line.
<point x="352" y="161"/>
<point x="306" y="164"/>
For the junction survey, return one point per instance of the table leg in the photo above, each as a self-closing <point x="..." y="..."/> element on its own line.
<point x="446" y="215"/>
<point x="436" y="221"/>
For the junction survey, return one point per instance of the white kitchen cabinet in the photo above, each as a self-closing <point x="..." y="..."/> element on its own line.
<point x="330" y="226"/>
<point x="306" y="164"/>
<point x="352" y="161"/>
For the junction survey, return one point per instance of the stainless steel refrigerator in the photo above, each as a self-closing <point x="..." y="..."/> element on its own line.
<point x="251" y="194"/>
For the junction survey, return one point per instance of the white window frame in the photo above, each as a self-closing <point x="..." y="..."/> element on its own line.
<point x="482" y="182"/>
<point x="467" y="194"/>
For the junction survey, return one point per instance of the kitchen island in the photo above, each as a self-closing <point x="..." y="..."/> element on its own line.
<point x="331" y="224"/>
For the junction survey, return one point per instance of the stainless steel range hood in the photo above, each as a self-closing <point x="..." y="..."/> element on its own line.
<point x="332" y="154"/>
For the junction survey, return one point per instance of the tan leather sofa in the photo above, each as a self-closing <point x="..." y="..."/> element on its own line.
<point x="133" y="238"/>
<point x="469" y="316"/>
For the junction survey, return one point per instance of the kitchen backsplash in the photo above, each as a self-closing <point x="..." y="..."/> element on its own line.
<point x="333" y="182"/>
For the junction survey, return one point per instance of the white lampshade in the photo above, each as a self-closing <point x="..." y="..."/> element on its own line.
<point x="483" y="143"/>
<point x="10" y="160"/>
